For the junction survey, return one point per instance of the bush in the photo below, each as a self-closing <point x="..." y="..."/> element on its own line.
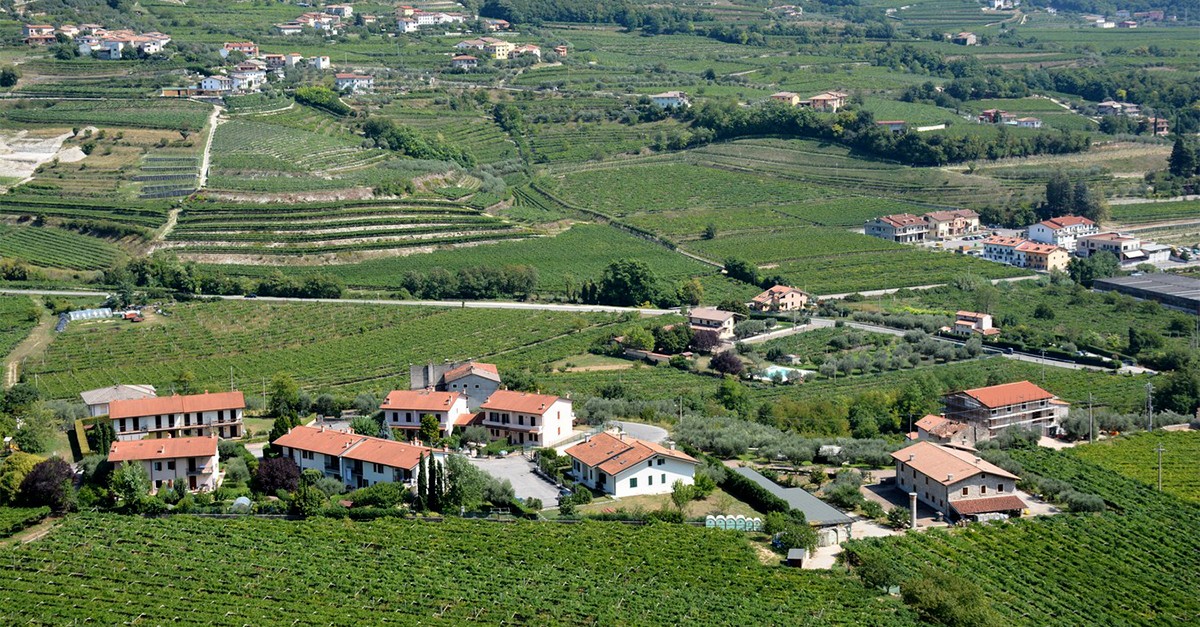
<point x="49" y="484"/>
<point x="872" y="509"/>
<point x="899" y="517"/>
<point x="727" y="363"/>
<point x="322" y="98"/>
<point x="379" y="495"/>
<point x="275" y="474"/>
<point x="1082" y="502"/>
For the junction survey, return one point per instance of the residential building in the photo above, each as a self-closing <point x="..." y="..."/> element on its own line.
<point x="780" y="298"/>
<point x="69" y="30"/>
<point x="952" y="223"/>
<point x="624" y="466"/>
<point x="496" y="24"/>
<point x="320" y="62"/>
<point x="407" y="25"/>
<point x="355" y="83"/>
<point x="474" y="380"/>
<point x="1150" y="16"/>
<point x="38" y="34"/>
<point x="464" y="62"/>
<point x="1002" y="249"/>
<point x="1127" y="24"/>
<point x="957" y="483"/>
<point x="992" y="409"/>
<point x="712" y="320"/>
<point x="1127" y="249"/>
<point x="895" y="126"/>
<point x="1160" y="126"/>
<point x="292" y="59"/>
<point x="358" y="461"/>
<point x="1042" y="257"/>
<point x="997" y="116"/>
<point x="97" y="400"/>
<point x="524" y="49"/>
<point x="973" y="323"/>
<point x="248" y="80"/>
<point x="524" y="419"/>
<point x="248" y="48"/>
<point x="1062" y="231"/>
<point x="965" y="39"/>
<point x="561" y="51"/>
<point x="275" y="61"/>
<point x="290" y="28"/>
<point x="904" y="228"/>
<point x="405" y="11"/>
<point x="499" y="49"/>
<point x="828" y="102"/>
<point x="176" y="416"/>
<point x="193" y="460"/>
<point x="1112" y="107"/>
<point x="474" y="44"/>
<point x="1029" y="123"/>
<point x="787" y="97"/>
<point x="404" y="409"/>
<point x="942" y="430"/>
<point x="671" y="100"/>
<point x="343" y="11"/>
<point x="216" y="84"/>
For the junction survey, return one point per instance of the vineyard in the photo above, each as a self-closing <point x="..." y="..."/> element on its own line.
<point x="302" y="229"/>
<point x="112" y="569"/>
<point x="1134" y="456"/>
<point x="122" y="112"/>
<point x="1106" y="569"/>
<point x="326" y="346"/>
<point x="14" y="519"/>
<point x="17" y="317"/>
<point x="56" y="248"/>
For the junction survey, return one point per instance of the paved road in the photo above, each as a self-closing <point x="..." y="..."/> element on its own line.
<point x="519" y="471"/>
<point x="893" y="290"/>
<point x="650" y="433"/>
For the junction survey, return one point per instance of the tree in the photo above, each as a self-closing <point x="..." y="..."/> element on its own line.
<point x="899" y="518"/>
<point x="49" y="483"/>
<point x="435" y="486"/>
<point x="1060" y="196"/>
<point x="1143" y="340"/>
<point x="1043" y="312"/>
<point x="431" y="429"/>
<point x="422" y="499"/>
<point x="282" y="425"/>
<point x="1084" y="270"/>
<point x="627" y="282"/>
<point x="18" y="398"/>
<point x="710" y="231"/>
<point x="275" y="474"/>
<point x="309" y="500"/>
<point x="681" y="494"/>
<point x="941" y="598"/>
<point x="690" y="292"/>
<point x="798" y="535"/>
<point x="283" y="399"/>
<point x="465" y="484"/>
<point x="365" y="425"/>
<point x="9" y="76"/>
<point x="327" y="405"/>
<point x="734" y="306"/>
<point x="13" y="471"/>
<point x="673" y="340"/>
<point x="638" y="338"/>
<point x="1088" y="204"/>
<point x="131" y="485"/>
<point x="36" y="434"/>
<point x="727" y="362"/>
<point x="185" y="383"/>
<point x="742" y="270"/>
<point x="1182" y="163"/>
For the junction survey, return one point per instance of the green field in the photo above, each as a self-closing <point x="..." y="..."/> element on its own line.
<point x="158" y="114"/>
<point x="56" y="248"/>
<point x="1036" y="571"/>
<point x="1155" y="211"/>
<point x="624" y="575"/>
<point x="1134" y="456"/>
<point x="14" y="519"/>
<point x="15" y="322"/>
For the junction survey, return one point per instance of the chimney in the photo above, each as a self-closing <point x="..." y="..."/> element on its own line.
<point x="621" y="435"/>
<point x="949" y="476"/>
<point x="671" y="444"/>
<point x="978" y="459"/>
<point x="912" y="506"/>
<point x="911" y="456"/>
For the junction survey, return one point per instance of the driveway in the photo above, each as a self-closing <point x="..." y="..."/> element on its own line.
<point x="649" y="433"/>
<point x="519" y="471"/>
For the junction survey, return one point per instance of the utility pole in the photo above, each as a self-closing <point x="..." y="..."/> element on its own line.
<point x="1149" y="407"/>
<point x="1091" y="421"/>
<point x="1043" y="366"/>
<point x="1160" y="450"/>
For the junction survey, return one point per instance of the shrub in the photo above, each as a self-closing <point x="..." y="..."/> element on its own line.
<point x="727" y="363"/>
<point x="379" y="495"/>
<point x="276" y="474"/>
<point x="49" y="484"/>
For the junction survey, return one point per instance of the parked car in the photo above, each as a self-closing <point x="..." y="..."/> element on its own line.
<point x="251" y="295"/>
<point x="1009" y="351"/>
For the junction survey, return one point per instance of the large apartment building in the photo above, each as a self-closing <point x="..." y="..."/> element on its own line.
<point x="990" y="410"/>
<point x="356" y="460"/>
<point x="525" y="419"/>
<point x="169" y="461"/>
<point x="194" y="415"/>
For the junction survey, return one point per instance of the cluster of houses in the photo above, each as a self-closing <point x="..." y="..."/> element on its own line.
<point x="826" y="102"/>
<point x="999" y="116"/>
<point x="411" y="20"/>
<point x="328" y="21"/>
<point x="249" y="75"/>
<point x="498" y="48"/>
<point x="94" y="39"/>
<point x="1048" y="245"/>
<point x="1125" y="19"/>
<point x="906" y="228"/>
<point x="1159" y="126"/>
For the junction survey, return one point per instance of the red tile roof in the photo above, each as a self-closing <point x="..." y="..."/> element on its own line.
<point x="902" y="219"/>
<point x="164" y="405"/>
<point x="1008" y="394"/>
<point x="164" y="448"/>
<point x="519" y="402"/>
<point x="777" y="291"/>
<point x="971" y="507"/>
<point x="487" y="371"/>
<point x="614" y="455"/>
<point x="319" y="440"/>
<point x="420" y="400"/>
<point x="1037" y="248"/>
<point x="386" y="452"/>
<point x="1000" y="240"/>
<point x="947" y="465"/>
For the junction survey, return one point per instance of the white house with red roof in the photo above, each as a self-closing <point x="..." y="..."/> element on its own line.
<point x="1062" y="231"/>
<point x="525" y="419"/>
<point x="951" y="223"/>
<point x="170" y="460"/>
<point x="904" y="228"/>
<point x="404" y="409"/>
<point x="957" y="483"/>
<point x="712" y="320"/>
<point x="993" y="409"/>
<point x="247" y="48"/>
<point x="356" y="460"/>
<point x="177" y="416"/>
<point x="623" y="466"/>
<point x="354" y="82"/>
<point x="973" y="323"/>
<point x="780" y="298"/>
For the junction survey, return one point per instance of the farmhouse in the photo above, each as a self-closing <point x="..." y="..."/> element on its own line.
<point x="1160" y="126"/>
<point x="828" y="102"/>
<point x="343" y="11"/>
<point x="97" y="400"/>
<point x="476" y="381"/>
<point x="1112" y="107"/>
<point x="997" y="116"/>
<point x="320" y="62"/>
<point x="290" y="28"/>
<point x="942" y="430"/>
<point x="496" y="24"/>
<point x="525" y="419"/>
<point x="712" y="320"/>
<point x="356" y="460"/>
<point x="973" y="323"/>
<point x="529" y="49"/>
<point x="790" y="98"/>
<point x="354" y="83"/>
<point x="904" y="228"/>
<point x="404" y="409"/>
<point x="671" y="100"/>
<point x="833" y="526"/>
<point x="624" y="466"/>
<point x="248" y="48"/>
<point x="990" y="410"/>
<point x="953" y="223"/>
<point x="965" y="39"/>
<point x="292" y="59"/>
<point x="957" y="483"/>
<point x="218" y="85"/>
<point x="464" y="62"/>
<point x="70" y="30"/>
<point x="170" y="460"/>
<point x="561" y="51"/>
<point x="780" y="298"/>
<point x="38" y="34"/>
<point x="205" y="414"/>
<point x="1062" y="231"/>
<point x="407" y="25"/>
<point x="248" y="80"/>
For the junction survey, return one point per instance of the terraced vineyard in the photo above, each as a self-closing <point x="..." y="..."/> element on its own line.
<point x="1134" y="456"/>
<point x="56" y="248"/>
<point x="576" y="142"/>
<point x="1107" y="569"/>
<point x="149" y="215"/>
<point x="131" y="113"/>
<point x="312" y="229"/>
<point x="1156" y="211"/>
<point x="166" y="174"/>
<point x="326" y="346"/>
<point x="109" y="569"/>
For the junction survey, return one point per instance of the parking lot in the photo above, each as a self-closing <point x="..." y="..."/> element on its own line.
<point x="519" y="471"/>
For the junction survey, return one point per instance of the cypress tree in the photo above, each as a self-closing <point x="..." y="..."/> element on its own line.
<point x="435" y="488"/>
<point x="422" y="484"/>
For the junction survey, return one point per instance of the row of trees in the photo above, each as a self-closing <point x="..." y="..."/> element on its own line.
<point x="167" y="274"/>
<point x="472" y="282"/>
<point x="405" y="140"/>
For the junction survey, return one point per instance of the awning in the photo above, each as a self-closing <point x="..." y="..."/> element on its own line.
<point x="972" y="507"/>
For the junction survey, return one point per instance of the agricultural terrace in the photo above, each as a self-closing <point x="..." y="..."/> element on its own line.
<point x="563" y="261"/>
<point x="1134" y="456"/>
<point x="56" y="248"/>
<point x="342" y="347"/>
<point x="1037" y="571"/>
<point x="579" y="574"/>
<point x="18" y="314"/>
<point x="207" y="228"/>
<point x="1145" y="212"/>
<point x="173" y="115"/>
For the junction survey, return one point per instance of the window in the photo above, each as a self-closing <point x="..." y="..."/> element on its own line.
<point x="633" y="482"/>
<point x="171" y="465"/>
<point x="378" y="468"/>
<point x="664" y="477"/>
<point x="521" y="420"/>
<point x="982" y="489"/>
<point x="306" y="454"/>
<point x="964" y="492"/>
<point x="649" y="463"/>
<point x="157" y="466"/>
<point x="650" y="480"/>
<point x="661" y="461"/>
<point x="999" y="487"/>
